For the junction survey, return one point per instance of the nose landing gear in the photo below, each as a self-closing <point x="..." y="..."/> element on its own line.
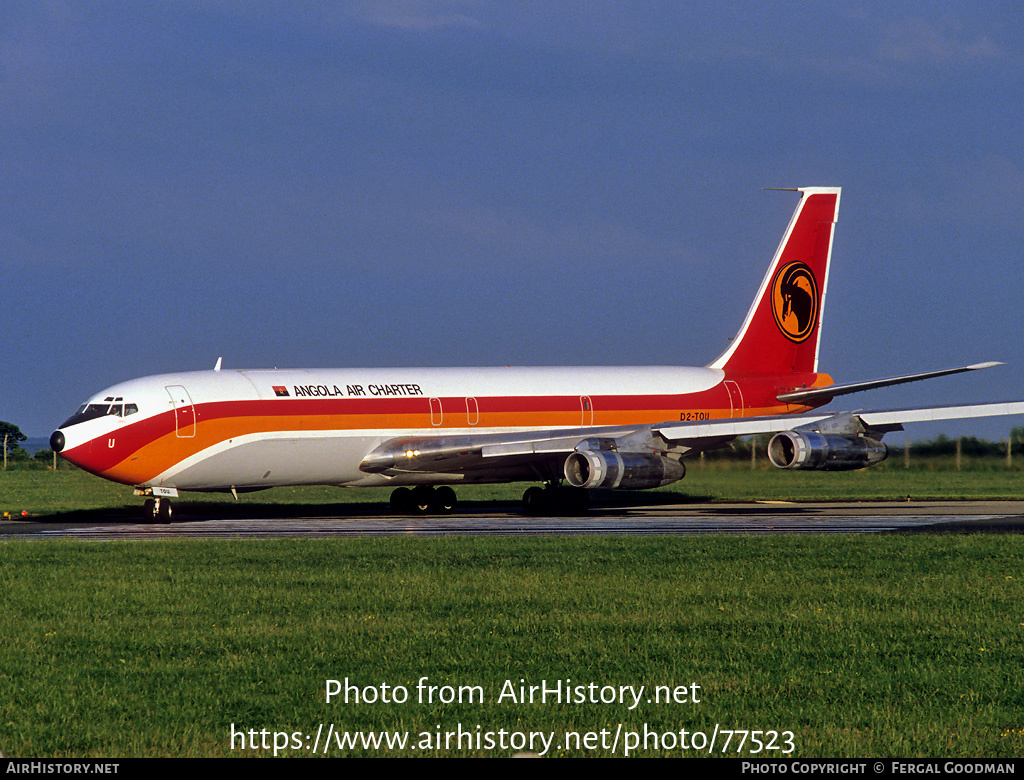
<point x="158" y="510"/>
<point x="158" y="507"/>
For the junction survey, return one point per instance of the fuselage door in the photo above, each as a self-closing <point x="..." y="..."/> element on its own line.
<point x="184" y="412"/>
<point x="588" y="411"/>
<point x="735" y="398"/>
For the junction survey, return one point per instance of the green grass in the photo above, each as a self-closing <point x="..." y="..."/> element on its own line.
<point x="936" y="479"/>
<point x="49" y="493"/>
<point x="859" y="645"/>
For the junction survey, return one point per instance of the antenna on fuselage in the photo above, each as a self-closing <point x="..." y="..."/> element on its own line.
<point x="217" y="367"/>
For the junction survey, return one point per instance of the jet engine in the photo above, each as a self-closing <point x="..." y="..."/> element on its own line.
<point x="826" y="452"/>
<point x="624" y="470"/>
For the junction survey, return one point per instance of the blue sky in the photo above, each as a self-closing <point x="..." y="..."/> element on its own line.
<point x="483" y="183"/>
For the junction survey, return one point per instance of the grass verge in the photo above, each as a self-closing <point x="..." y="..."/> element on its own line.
<point x="858" y="645"/>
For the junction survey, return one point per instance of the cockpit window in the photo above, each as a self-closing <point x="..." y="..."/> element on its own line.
<point x="92" y="411"/>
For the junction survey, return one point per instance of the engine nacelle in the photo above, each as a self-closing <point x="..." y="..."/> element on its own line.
<point x="825" y="452"/>
<point x="624" y="470"/>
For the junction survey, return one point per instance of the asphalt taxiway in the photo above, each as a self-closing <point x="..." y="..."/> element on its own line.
<point x="506" y="520"/>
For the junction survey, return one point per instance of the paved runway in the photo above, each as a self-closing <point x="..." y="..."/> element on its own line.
<point x="369" y="520"/>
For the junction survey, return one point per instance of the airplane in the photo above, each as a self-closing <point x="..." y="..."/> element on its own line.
<point x="422" y="430"/>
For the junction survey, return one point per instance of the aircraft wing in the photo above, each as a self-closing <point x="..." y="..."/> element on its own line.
<point x="851" y="423"/>
<point x="833" y="442"/>
<point x="882" y="419"/>
<point x="877" y="420"/>
<point x="545" y="451"/>
<point x="455" y="453"/>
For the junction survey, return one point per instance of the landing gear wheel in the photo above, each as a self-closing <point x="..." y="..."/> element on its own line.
<point x="164" y="511"/>
<point x="401" y="500"/>
<point x="534" y="501"/>
<point x="422" y="499"/>
<point x="158" y="510"/>
<point x="556" y="499"/>
<point x="444" y="500"/>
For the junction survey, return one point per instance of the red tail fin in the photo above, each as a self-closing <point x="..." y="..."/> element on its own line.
<point x="782" y="329"/>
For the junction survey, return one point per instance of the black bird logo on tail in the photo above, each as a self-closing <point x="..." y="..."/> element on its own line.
<point x="795" y="301"/>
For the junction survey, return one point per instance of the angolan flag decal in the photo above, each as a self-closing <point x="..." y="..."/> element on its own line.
<point x="280" y="391"/>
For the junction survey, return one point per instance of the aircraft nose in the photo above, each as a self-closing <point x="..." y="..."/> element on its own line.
<point x="57" y="441"/>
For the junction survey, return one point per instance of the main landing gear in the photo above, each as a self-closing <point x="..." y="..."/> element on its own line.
<point x="555" y="499"/>
<point x="423" y="499"/>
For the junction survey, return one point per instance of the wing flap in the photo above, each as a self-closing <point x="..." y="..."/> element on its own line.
<point x="435" y="453"/>
<point x="694" y="432"/>
<point x="563" y="444"/>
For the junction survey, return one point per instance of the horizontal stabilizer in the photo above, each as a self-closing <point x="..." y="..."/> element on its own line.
<point x="817" y="393"/>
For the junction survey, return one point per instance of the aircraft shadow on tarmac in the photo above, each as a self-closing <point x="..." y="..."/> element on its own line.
<point x="602" y="502"/>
